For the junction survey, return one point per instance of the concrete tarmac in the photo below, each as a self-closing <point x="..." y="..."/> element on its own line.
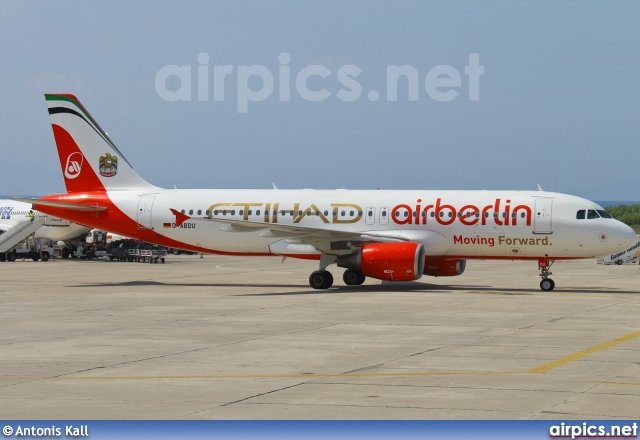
<point x="247" y="338"/>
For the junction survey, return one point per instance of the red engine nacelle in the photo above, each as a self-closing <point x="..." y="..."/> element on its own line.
<point x="387" y="261"/>
<point x="444" y="268"/>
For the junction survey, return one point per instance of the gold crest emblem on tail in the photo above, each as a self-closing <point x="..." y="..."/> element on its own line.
<point x="108" y="165"/>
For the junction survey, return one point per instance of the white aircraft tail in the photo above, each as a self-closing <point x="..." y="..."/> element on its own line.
<point x="89" y="160"/>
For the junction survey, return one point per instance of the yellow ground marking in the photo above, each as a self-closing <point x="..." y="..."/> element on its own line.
<point x="565" y="360"/>
<point x="541" y="369"/>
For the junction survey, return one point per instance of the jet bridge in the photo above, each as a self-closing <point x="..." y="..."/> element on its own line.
<point x="20" y="231"/>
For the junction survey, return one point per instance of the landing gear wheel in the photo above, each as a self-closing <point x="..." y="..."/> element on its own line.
<point x="353" y="277"/>
<point x="547" y="284"/>
<point x="321" y="279"/>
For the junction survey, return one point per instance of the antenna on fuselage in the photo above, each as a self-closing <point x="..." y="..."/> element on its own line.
<point x="540" y="188"/>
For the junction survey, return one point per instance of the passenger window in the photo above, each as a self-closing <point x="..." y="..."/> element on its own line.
<point x="257" y="212"/>
<point x="241" y="212"/>
<point x="433" y="214"/>
<point x="441" y="214"/>
<point x="207" y="212"/>
<point x="233" y="212"/>
<point x="580" y="214"/>
<point x="522" y="215"/>
<point x="182" y="211"/>
<point x="370" y="213"/>
<point x="384" y="213"/>
<point x="249" y="212"/>
<point x="513" y="214"/>
<point x="450" y="214"/>
<point x="215" y="212"/>
<point x="199" y="211"/>
<point x="326" y="213"/>
<point x="191" y="212"/>
<point x="592" y="214"/>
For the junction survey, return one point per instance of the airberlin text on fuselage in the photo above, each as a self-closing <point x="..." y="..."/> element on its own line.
<point x="500" y="212"/>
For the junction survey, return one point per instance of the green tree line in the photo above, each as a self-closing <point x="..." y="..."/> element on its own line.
<point x="629" y="214"/>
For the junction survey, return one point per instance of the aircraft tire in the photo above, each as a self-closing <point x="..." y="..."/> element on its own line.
<point x="353" y="277"/>
<point x="321" y="279"/>
<point x="619" y="262"/>
<point x="547" y="284"/>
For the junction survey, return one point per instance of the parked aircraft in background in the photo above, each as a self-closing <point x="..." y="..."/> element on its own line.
<point x="388" y="235"/>
<point x="13" y="212"/>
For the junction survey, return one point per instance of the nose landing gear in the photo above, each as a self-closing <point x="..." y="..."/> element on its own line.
<point x="547" y="283"/>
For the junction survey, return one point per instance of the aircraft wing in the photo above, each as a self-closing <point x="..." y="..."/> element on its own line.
<point x="320" y="238"/>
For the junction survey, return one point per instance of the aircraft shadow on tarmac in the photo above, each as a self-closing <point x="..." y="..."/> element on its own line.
<point x="384" y="287"/>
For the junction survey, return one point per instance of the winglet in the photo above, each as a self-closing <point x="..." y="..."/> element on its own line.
<point x="180" y="217"/>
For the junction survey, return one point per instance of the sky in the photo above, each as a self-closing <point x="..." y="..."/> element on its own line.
<point x="332" y="94"/>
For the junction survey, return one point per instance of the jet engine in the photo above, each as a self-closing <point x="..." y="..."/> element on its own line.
<point x="387" y="261"/>
<point x="444" y="268"/>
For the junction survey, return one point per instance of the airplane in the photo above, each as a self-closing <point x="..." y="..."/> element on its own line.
<point x="382" y="234"/>
<point x="13" y="212"/>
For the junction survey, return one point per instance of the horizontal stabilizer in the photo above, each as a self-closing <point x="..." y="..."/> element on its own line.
<point x="70" y="206"/>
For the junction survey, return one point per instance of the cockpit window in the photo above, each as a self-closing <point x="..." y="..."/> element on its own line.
<point x="580" y="214"/>
<point x="592" y="214"/>
<point x="604" y="214"/>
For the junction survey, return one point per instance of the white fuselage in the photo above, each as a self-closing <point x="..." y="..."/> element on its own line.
<point x="466" y="224"/>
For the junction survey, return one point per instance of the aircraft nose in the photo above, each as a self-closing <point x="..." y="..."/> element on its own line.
<point x="627" y="237"/>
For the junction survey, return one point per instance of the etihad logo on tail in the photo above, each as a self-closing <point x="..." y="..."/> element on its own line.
<point x="108" y="165"/>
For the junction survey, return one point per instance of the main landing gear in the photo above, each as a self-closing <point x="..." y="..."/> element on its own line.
<point x="547" y="283"/>
<point x="322" y="279"/>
